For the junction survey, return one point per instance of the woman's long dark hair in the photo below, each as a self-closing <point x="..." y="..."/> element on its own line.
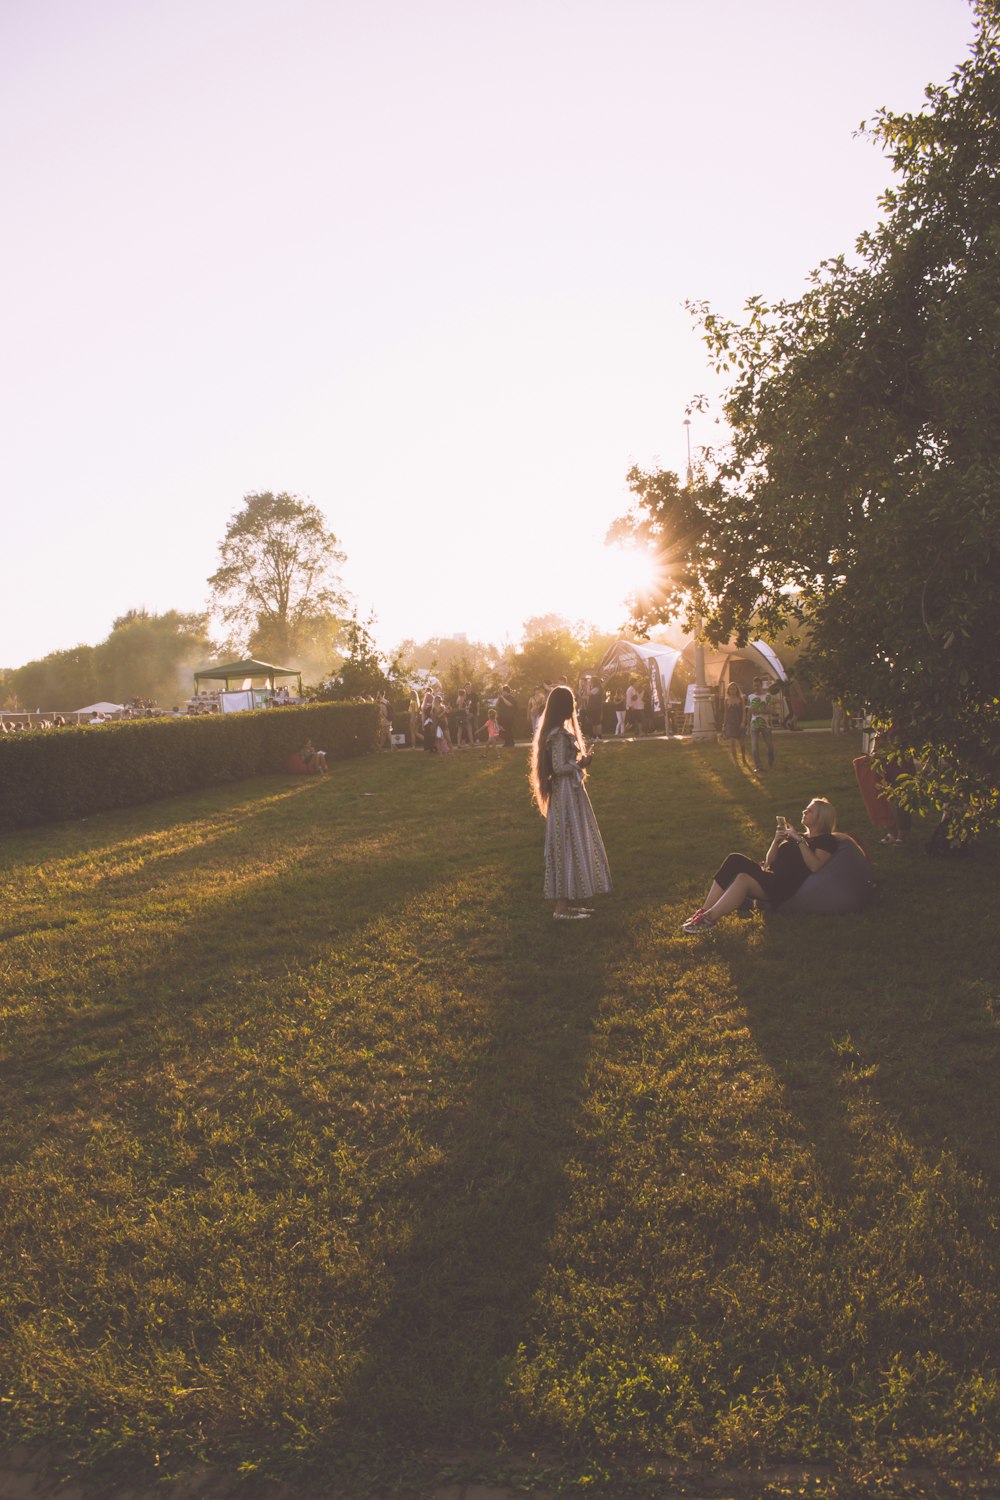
<point x="560" y="709"/>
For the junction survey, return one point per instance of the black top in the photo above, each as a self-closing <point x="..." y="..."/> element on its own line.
<point x="790" y="869"/>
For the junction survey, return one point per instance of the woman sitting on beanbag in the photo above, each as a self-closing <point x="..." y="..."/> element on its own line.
<point x="789" y="862"/>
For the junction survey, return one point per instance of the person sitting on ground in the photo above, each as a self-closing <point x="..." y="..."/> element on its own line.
<point x="313" y="759"/>
<point x="789" y="862"/>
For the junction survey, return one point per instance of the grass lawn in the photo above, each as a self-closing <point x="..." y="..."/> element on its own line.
<point x="324" y="1150"/>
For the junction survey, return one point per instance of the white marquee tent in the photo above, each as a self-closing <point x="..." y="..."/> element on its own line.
<point x="100" y="708"/>
<point x="658" y="661"/>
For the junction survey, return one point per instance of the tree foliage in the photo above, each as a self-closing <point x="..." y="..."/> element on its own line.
<point x="153" y="656"/>
<point x="145" y="655"/>
<point x="453" y="660"/>
<point x="860" y="491"/>
<point x="277" y="585"/>
<point x="552" y="650"/>
<point x="365" y="670"/>
<point x="62" y="681"/>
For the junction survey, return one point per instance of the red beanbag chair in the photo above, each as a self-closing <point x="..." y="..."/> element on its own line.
<point x="299" y="768"/>
<point x="872" y="788"/>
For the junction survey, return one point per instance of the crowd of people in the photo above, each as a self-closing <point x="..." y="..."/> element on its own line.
<point x="18" y="721"/>
<point x="440" y="722"/>
<point x="21" y="726"/>
<point x="441" y="726"/>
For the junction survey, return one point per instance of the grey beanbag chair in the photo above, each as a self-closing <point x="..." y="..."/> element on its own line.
<point x="844" y="884"/>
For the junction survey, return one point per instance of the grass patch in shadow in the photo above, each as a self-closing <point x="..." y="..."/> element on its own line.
<point x="321" y="1145"/>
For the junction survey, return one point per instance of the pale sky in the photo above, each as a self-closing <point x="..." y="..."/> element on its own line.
<point x="422" y="262"/>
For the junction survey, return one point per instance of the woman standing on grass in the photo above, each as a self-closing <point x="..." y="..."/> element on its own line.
<point x="428" y="723"/>
<point x="734" y="724"/>
<point x="576" y="866"/>
<point x="413" y="719"/>
<point x="441" y="730"/>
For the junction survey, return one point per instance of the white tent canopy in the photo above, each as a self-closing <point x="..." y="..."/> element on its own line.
<point x="101" y="708"/>
<point x="657" y="662"/>
<point x="720" y="660"/>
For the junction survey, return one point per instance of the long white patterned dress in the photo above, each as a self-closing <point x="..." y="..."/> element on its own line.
<point x="576" y="865"/>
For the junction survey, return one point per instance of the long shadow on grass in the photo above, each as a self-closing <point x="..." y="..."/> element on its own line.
<point x="890" y="1002"/>
<point x="478" y="1221"/>
<point x="125" y="1013"/>
<point x="891" y="1006"/>
<point x="898" y="1111"/>
<point x="438" y="1355"/>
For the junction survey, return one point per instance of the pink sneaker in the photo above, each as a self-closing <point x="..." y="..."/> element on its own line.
<point x="698" y="924"/>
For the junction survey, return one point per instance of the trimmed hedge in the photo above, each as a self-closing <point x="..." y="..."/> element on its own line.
<point x="52" y="774"/>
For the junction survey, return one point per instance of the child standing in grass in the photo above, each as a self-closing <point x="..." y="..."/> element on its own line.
<point x="491" y="730"/>
<point x="576" y="865"/>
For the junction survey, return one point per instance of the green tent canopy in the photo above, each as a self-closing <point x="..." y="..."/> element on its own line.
<point x="238" y="671"/>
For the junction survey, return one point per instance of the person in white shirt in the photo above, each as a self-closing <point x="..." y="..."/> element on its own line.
<point x="759" y="705"/>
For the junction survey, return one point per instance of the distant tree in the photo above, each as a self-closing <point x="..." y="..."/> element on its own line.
<point x="543" y="625"/>
<point x="145" y="655"/>
<point x="440" y="652"/>
<point x="365" y="670"/>
<point x="470" y="669"/>
<point x="277" y="587"/>
<point x="152" y="656"/>
<point x="62" y="681"/>
<point x="553" y="650"/>
<point x="453" y="660"/>
<point x="861" y="488"/>
<point x="318" y="651"/>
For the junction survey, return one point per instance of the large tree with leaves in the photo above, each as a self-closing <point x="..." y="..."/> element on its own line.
<point x="153" y="656"/>
<point x="365" y="670"/>
<point x="146" y="655"/>
<point x="860" y="491"/>
<point x="277" y="586"/>
<point x="553" y="650"/>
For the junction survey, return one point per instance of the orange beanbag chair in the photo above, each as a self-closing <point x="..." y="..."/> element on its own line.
<point x="299" y="768"/>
